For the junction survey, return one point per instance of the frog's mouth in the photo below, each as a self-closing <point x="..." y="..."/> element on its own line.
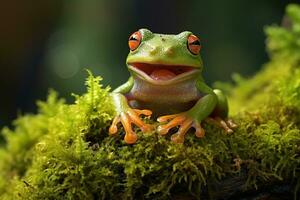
<point x="163" y="74"/>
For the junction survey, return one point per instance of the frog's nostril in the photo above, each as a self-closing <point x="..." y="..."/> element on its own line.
<point x="153" y="51"/>
<point x="170" y="51"/>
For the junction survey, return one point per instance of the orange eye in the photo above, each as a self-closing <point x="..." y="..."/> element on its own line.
<point x="134" y="40"/>
<point x="193" y="44"/>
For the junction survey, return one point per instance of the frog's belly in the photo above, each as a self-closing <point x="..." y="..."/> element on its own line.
<point x="162" y="99"/>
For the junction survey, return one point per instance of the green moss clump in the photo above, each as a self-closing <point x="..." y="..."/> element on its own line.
<point x="65" y="152"/>
<point x="279" y="78"/>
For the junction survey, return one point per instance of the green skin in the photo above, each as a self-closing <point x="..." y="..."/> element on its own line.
<point x="185" y="93"/>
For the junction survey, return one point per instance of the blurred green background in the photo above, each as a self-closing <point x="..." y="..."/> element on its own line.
<point x="48" y="44"/>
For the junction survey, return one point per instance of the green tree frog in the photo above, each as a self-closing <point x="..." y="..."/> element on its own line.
<point x="166" y="81"/>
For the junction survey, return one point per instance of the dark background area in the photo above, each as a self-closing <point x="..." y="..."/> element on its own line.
<point x="48" y="44"/>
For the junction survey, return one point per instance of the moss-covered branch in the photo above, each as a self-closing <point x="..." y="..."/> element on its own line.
<point x="64" y="151"/>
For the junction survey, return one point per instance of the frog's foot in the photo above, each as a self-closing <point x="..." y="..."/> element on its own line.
<point x="184" y="121"/>
<point x="127" y="118"/>
<point x="226" y="124"/>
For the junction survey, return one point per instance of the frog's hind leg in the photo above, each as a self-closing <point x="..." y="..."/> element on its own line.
<point x="219" y="116"/>
<point x="221" y="109"/>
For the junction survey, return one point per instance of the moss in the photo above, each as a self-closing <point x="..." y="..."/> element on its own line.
<point x="64" y="151"/>
<point x="279" y="78"/>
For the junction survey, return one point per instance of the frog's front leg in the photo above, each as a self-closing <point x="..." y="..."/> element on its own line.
<point x="189" y="119"/>
<point x="127" y="115"/>
<point x="213" y="108"/>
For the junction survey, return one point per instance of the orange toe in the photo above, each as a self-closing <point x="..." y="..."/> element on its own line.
<point x="221" y="123"/>
<point x="127" y="118"/>
<point x="143" y="112"/>
<point x="199" y="131"/>
<point x="179" y="136"/>
<point x="164" y="129"/>
<point x="134" y="118"/>
<point x="184" y="121"/>
<point x="167" y="117"/>
<point x="113" y="128"/>
<point x="231" y="124"/>
<point x="130" y="138"/>
<point x="224" y="125"/>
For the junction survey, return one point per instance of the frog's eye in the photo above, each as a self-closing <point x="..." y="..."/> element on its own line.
<point x="134" y="40"/>
<point x="193" y="44"/>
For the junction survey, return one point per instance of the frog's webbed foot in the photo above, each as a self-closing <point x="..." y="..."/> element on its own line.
<point x="227" y="124"/>
<point x="127" y="118"/>
<point x="184" y="121"/>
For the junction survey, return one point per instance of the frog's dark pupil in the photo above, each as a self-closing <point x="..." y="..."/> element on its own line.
<point x="196" y="42"/>
<point x="133" y="37"/>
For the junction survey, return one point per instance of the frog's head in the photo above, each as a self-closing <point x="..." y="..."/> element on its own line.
<point x="164" y="59"/>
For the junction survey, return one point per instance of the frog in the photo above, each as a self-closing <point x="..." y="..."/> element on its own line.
<point x="166" y="83"/>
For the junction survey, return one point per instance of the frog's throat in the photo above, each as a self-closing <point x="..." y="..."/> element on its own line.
<point x="144" y="70"/>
